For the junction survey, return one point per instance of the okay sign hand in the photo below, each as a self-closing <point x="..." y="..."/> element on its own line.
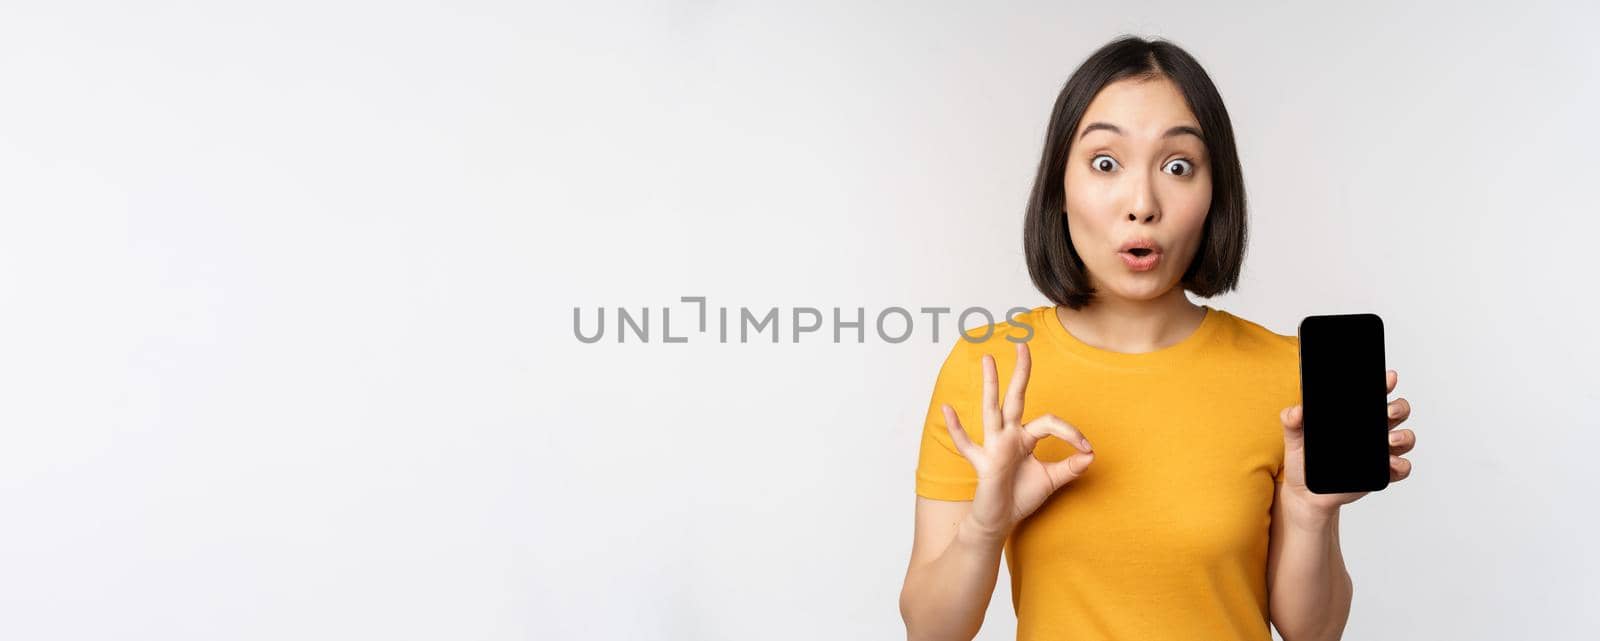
<point x="1012" y="482"/>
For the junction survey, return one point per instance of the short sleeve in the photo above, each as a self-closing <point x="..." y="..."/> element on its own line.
<point x="942" y="473"/>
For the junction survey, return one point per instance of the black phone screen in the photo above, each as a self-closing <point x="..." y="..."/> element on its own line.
<point x="1344" y="396"/>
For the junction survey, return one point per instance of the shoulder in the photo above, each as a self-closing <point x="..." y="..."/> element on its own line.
<point x="1250" y="336"/>
<point x="1271" y="358"/>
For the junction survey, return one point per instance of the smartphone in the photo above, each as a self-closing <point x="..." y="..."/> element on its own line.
<point x="1345" y="398"/>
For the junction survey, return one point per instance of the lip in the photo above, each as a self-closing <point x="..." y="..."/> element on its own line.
<point x="1140" y="243"/>
<point x="1140" y="263"/>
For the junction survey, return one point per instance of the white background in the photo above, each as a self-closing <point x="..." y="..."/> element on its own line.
<point x="288" y="290"/>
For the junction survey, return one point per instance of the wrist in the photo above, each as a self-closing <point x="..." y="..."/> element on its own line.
<point x="1305" y="515"/>
<point x="970" y="533"/>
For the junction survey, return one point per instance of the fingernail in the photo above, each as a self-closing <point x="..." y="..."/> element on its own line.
<point x="1086" y="445"/>
<point x="1394" y="438"/>
<point x="1394" y="411"/>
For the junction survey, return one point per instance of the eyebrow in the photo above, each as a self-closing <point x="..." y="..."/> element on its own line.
<point x="1175" y="131"/>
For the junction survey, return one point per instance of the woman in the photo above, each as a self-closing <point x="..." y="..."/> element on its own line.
<point x="1171" y="503"/>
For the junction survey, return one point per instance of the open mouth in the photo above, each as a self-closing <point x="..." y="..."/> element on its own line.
<point x="1140" y="251"/>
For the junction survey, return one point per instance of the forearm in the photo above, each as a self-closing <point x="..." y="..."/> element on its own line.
<point x="946" y="598"/>
<point x="1310" y="589"/>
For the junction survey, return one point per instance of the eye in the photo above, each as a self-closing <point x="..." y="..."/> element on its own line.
<point x="1185" y="167"/>
<point x="1103" y="162"/>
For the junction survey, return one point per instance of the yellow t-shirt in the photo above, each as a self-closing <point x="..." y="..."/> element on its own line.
<point x="1165" y="535"/>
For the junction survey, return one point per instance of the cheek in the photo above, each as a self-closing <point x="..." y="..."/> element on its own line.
<point x="1187" y="204"/>
<point x="1182" y="198"/>
<point x="1089" y="203"/>
<point x="1188" y="213"/>
<point x="1191" y="209"/>
<point x="1085" y="222"/>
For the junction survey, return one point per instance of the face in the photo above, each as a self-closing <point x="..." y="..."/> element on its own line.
<point x="1138" y="170"/>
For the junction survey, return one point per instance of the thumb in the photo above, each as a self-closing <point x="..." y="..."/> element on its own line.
<point x="1068" y="469"/>
<point x="1294" y="433"/>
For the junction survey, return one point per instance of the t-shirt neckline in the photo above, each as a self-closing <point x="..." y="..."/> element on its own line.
<point x="1179" y="352"/>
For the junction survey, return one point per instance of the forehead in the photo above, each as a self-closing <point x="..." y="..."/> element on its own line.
<point x="1142" y="108"/>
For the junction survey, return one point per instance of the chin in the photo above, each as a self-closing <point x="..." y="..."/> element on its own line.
<point x="1132" y="287"/>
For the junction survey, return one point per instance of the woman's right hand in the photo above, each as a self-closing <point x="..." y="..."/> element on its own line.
<point x="1012" y="482"/>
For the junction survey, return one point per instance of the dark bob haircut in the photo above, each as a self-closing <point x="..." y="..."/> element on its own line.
<point x="1054" y="265"/>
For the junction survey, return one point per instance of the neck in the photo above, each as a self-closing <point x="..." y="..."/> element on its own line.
<point x="1133" y="326"/>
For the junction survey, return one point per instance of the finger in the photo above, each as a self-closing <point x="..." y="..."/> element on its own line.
<point x="1068" y="469"/>
<point x="1399" y="411"/>
<point x="1012" y="412"/>
<point x="991" y="397"/>
<point x="958" y="434"/>
<point x="1052" y="425"/>
<point x="1293" y="417"/>
<point x="1391" y="377"/>
<point x="1399" y="468"/>
<point x="1401" y="441"/>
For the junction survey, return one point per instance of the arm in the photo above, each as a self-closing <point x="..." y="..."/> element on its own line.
<point x="1309" y="590"/>
<point x="951" y="578"/>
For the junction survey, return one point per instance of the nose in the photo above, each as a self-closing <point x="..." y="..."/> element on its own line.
<point x="1144" y="207"/>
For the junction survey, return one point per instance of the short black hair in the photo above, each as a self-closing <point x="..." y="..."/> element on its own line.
<point x="1054" y="265"/>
